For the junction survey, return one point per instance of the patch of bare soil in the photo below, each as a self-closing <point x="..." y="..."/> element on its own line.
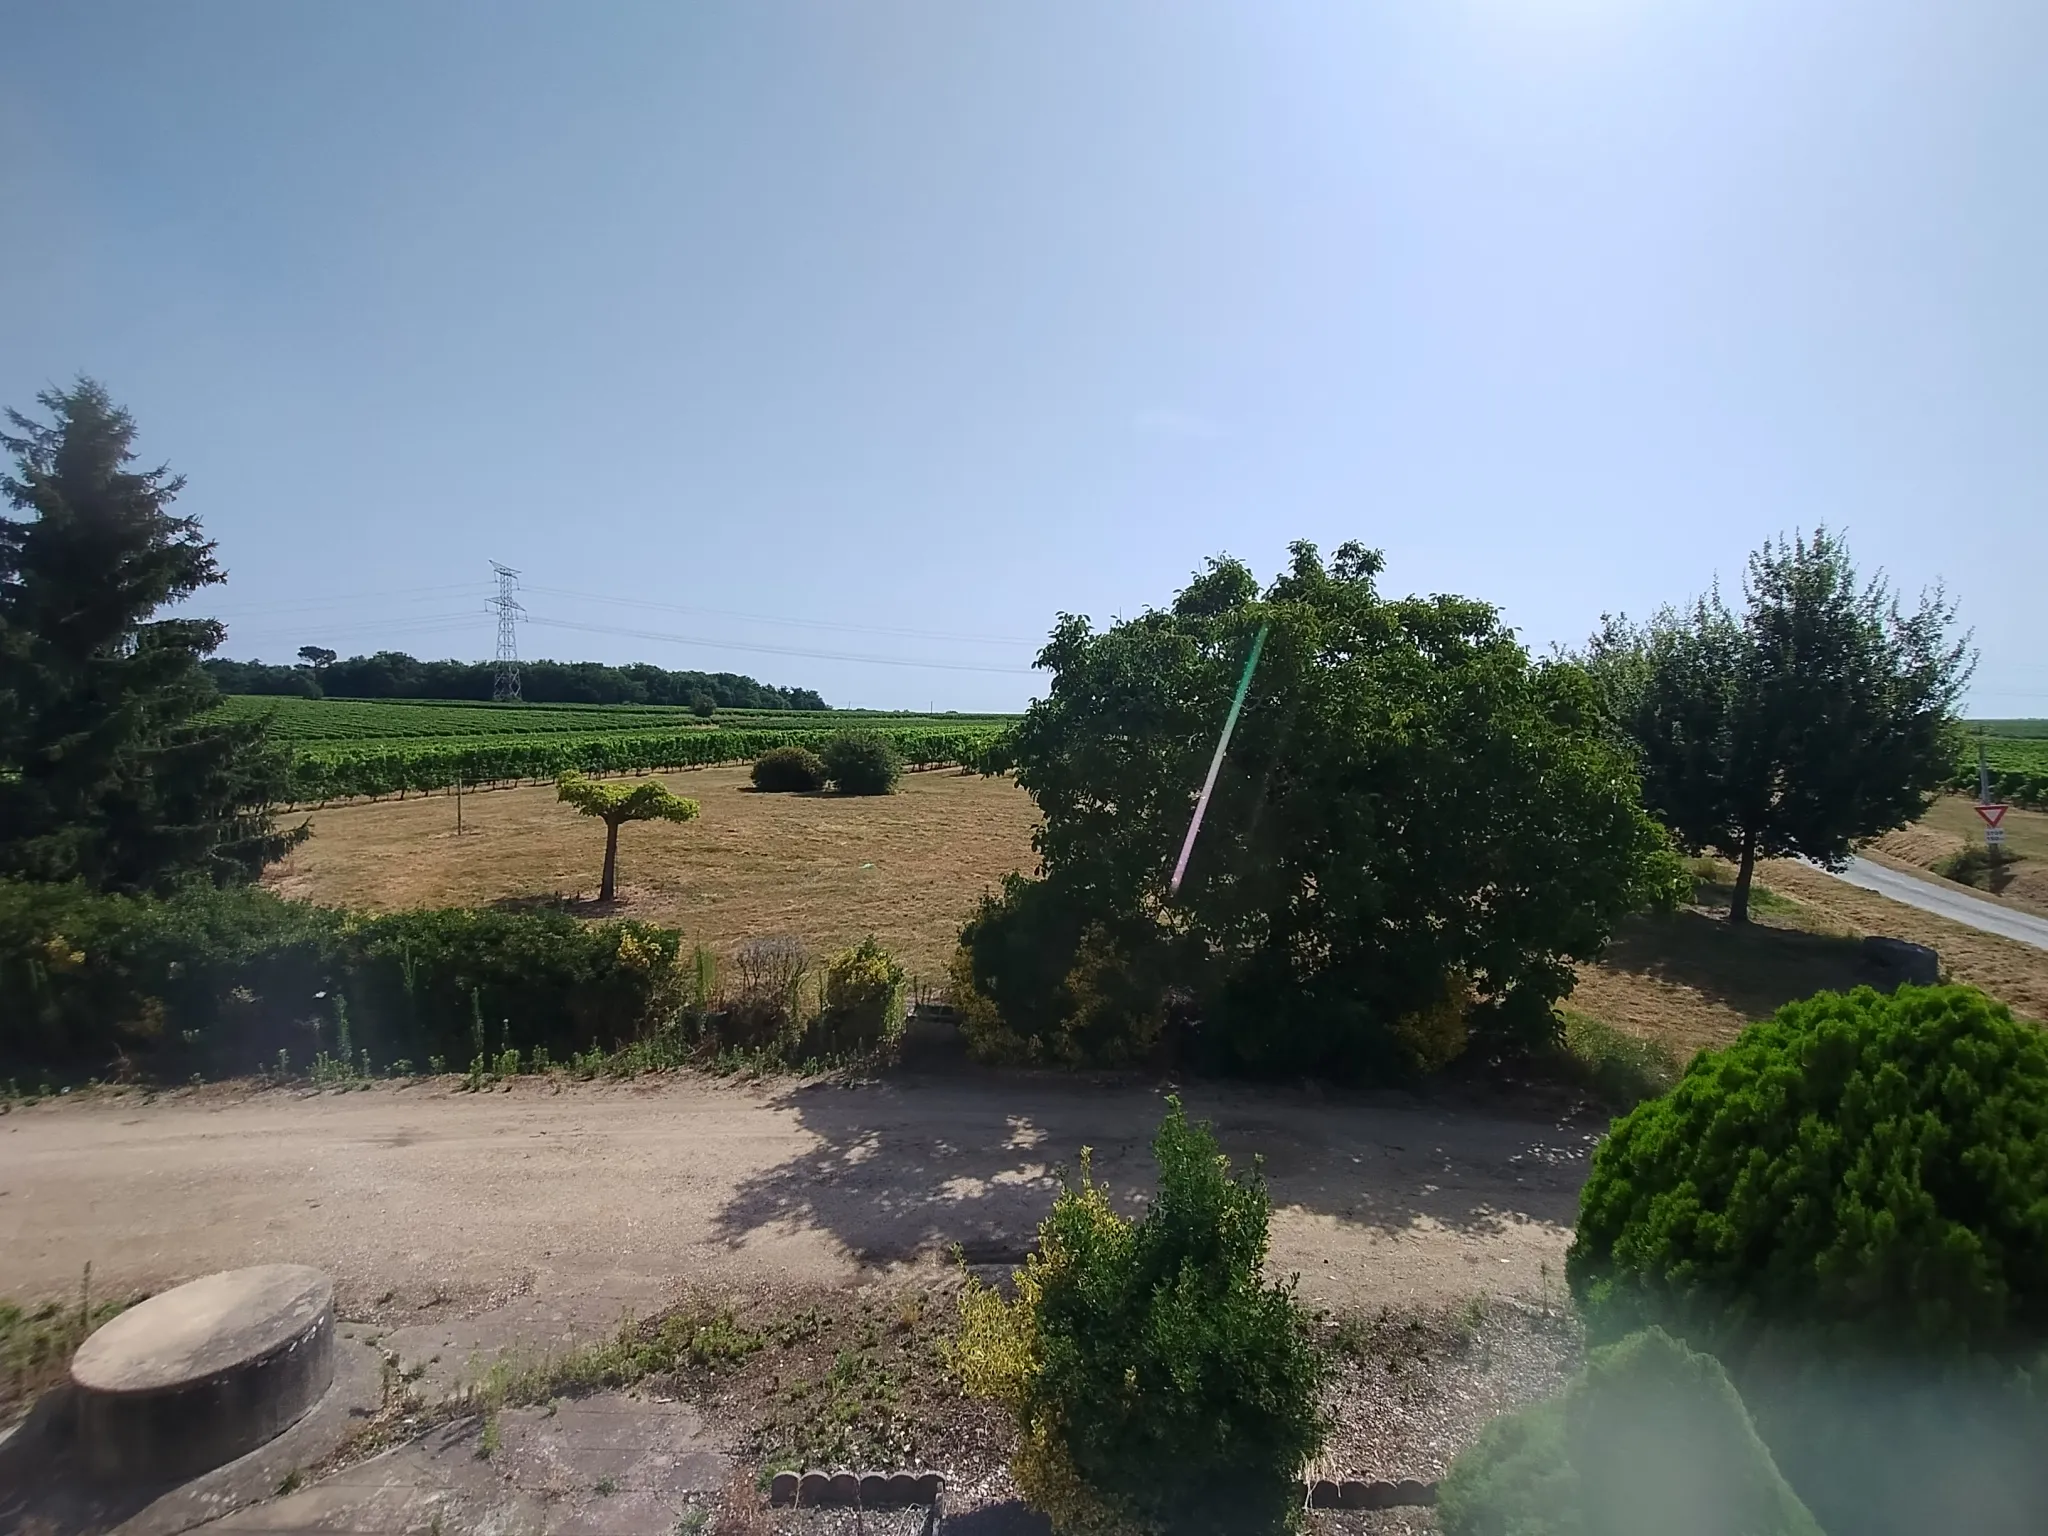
<point x="860" y="1377"/>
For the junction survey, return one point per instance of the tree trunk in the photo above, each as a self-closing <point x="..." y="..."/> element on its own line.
<point x="1738" y="905"/>
<point x="611" y="861"/>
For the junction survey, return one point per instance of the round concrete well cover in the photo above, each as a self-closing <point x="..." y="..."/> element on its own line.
<point x="206" y="1371"/>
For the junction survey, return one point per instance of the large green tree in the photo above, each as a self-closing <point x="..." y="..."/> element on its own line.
<point x="1821" y="714"/>
<point x="1416" y="831"/>
<point x="114" y="768"/>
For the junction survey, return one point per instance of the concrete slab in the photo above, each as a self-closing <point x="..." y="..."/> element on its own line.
<point x="54" y="1493"/>
<point x="613" y="1463"/>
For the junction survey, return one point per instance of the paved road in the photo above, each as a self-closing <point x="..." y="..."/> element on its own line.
<point x="1945" y="901"/>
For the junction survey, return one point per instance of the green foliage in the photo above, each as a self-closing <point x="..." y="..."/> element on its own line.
<point x="789" y="770"/>
<point x="1849" y="1207"/>
<point x="350" y="747"/>
<point x="37" y="1343"/>
<point x="114" y="768"/>
<point x="395" y="675"/>
<point x="617" y="804"/>
<point x="703" y="706"/>
<point x="862" y="763"/>
<point x="1989" y="867"/>
<point x="1413" y="817"/>
<point x="1870" y="1168"/>
<point x="1819" y="716"/>
<point x="222" y="981"/>
<point x="1651" y="1437"/>
<point x="1157" y="1381"/>
<point x="863" y="1001"/>
<point x="1619" y="1069"/>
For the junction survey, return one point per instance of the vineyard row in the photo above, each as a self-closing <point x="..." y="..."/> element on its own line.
<point x="342" y="774"/>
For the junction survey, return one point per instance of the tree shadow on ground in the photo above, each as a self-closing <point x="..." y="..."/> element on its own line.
<point x="919" y="1162"/>
<point x="1753" y="968"/>
<point x="554" y="901"/>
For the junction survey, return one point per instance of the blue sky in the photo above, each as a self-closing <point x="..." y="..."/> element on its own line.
<point x="800" y="327"/>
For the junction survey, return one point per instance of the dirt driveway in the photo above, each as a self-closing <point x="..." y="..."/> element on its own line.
<point x="572" y="1202"/>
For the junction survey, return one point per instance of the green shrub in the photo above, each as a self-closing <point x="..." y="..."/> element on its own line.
<point x="220" y="981"/>
<point x="789" y="770"/>
<point x="859" y="763"/>
<point x="1157" y="1381"/>
<point x="1651" y="1437"/>
<point x="1869" y="1167"/>
<point x="703" y="706"/>
<point x="863" y="1001"/>
<point x="1849" y="1207"/>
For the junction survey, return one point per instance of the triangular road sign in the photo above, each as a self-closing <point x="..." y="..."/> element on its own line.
<point x="1992" y="814"/>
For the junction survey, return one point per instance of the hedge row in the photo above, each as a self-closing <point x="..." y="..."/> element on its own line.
<point x="219" y="982"/>
<point x="342" y="774"/>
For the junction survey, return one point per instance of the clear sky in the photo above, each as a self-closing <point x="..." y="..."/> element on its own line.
<point x="870" y="318"/>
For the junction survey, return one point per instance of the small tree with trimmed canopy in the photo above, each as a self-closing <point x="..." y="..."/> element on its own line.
<point x="617" y="804"/>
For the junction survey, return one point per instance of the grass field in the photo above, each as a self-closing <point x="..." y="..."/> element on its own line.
<point x="825" y="869"/>
<point x="908" y="868"/>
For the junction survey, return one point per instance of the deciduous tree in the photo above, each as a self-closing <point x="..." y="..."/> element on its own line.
<point x="617" y="804"/>
<point x="1416" y="830"/>
<point x="1821" y="714"/>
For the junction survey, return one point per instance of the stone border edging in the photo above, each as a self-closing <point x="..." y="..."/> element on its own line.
<point x="844" y="1489"/>
<point x="1351" y="1493"/>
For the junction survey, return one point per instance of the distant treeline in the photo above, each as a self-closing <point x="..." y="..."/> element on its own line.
<point x="395" y="675"/>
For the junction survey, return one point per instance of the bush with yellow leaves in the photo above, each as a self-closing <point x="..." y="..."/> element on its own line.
<point x="1158" y="1382"/>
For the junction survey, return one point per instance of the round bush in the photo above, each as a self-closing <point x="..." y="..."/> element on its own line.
<point x="1849" y="1207"/>
<point x="860" y="764"/>
<point x="1867" y="1169"/>
<point x="789" y="770"/>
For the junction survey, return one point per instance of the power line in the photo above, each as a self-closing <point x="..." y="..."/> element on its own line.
<point x="763" y="618"/>
<point x="301" y="605"/>
<point x="379" y="626"/>
<point x="773" y="650"/>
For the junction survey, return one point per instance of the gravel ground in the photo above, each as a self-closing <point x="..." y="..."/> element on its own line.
<point x="1415" y="1385"/>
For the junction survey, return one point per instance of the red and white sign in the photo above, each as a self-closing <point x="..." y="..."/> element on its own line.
<point x="1992" y="814"/>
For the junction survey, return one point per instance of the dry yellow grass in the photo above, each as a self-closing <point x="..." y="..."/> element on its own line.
<point x="908" y="867"/>
<point x="827" y="870"/>
<point x="2013" y="972"/>
<point x="1951" y="825"/>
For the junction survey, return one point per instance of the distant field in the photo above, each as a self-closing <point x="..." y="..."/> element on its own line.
<point x="356" y="723"/>
<point x="2026" y="729"/>
<point x="346" y="749"/>
<point x="2018" y="762"/>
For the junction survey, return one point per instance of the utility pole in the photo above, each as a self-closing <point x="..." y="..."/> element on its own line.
<point x="505" y="681"/>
